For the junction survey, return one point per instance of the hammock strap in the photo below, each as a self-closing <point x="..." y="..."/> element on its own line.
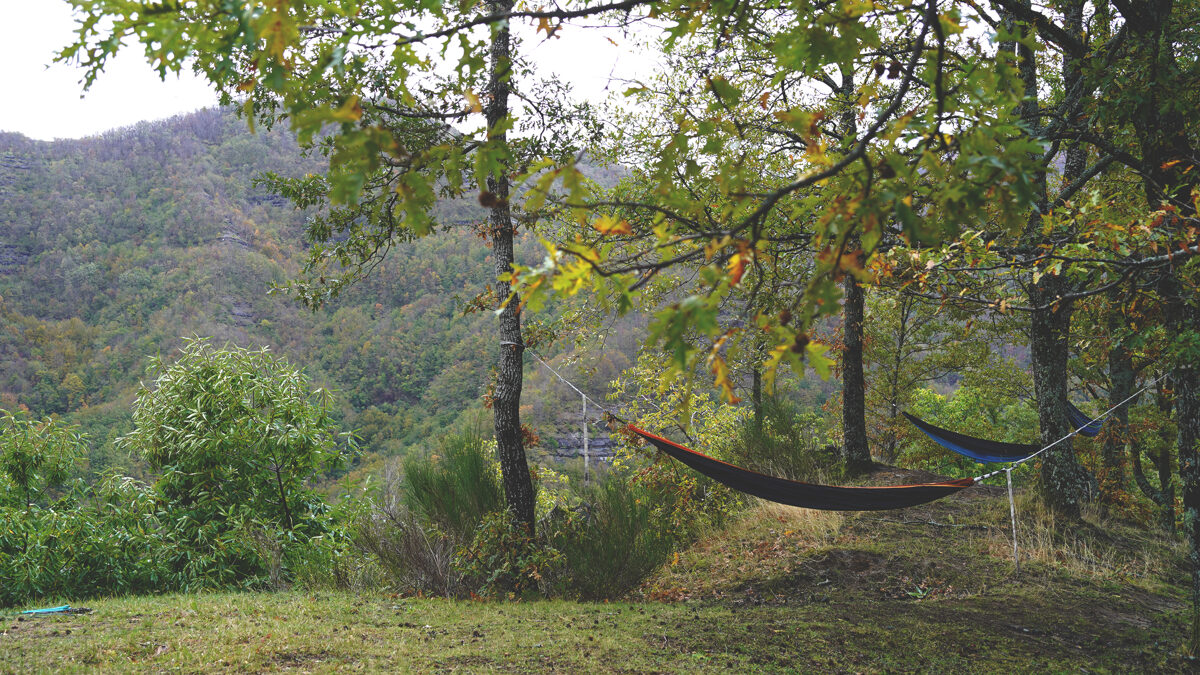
<point x="576" y="389"/>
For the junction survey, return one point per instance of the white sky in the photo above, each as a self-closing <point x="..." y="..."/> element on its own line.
<point x="43" y="101"/>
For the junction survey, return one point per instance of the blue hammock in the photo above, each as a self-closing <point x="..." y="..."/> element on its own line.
<point x="1080" y="420"/>
<point x="983" y="450"/>
<point x="978" y="449"/>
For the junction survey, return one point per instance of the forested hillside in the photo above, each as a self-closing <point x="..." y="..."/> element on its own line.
<point x="114" y="248"/>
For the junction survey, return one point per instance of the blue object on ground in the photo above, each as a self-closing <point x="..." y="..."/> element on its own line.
<point x="48" y="610"/>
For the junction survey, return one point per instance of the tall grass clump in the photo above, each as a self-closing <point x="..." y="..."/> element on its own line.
<point x="1095" y="544"/>
<point x="456" y="487"/>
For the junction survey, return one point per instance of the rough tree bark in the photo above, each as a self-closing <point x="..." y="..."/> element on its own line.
<point x="1065" y="483"/>
<point x="856" y="453"/>
<point x="506" y="403"/>
<point x="1116" y="428"/>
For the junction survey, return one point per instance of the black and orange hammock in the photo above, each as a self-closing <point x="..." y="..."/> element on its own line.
<point x="806" y="495"/>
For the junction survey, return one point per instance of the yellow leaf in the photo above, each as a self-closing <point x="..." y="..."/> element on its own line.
<point x="737" y="268"/>
<point x="608" y="226"/>
<point x="720" y="371"/>
<point x="473" y="102"/>
<point x="950" y="25"/>
<point x="714" y="245"/>
<point x="350" y="111"/>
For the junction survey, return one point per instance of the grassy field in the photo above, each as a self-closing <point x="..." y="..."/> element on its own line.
<point x="926" y="589"/>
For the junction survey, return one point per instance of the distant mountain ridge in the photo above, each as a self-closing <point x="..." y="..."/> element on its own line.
<point x="114" y="247"/>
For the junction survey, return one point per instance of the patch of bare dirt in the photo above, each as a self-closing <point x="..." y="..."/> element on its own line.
<point x="299" y="660"/>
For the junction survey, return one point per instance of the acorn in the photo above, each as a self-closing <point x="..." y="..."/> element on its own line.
<point x="800" y="343"/>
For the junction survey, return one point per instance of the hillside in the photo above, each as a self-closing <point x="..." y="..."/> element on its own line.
<point x="930" y="589"/>
<point x="114" y="248"/>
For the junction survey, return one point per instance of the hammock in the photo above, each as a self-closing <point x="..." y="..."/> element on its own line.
<point x="983" y="450"/>
<point x="806" y="495"/>
<point x="1082" y="421"/>
<point x="978" y="449"/>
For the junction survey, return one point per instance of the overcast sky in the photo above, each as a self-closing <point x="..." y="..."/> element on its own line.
<point x="43" y="101"/>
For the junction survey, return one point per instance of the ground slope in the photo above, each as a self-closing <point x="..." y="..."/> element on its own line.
<point x="926" y="589"/>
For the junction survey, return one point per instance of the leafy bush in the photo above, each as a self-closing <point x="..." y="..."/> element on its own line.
<point x="34" y="457"/>
<point x="95" y="541"/>
<point x="788" y="444"/>
<point x="331" y="559"/>
<point x="235" y="434"/>
<point x="505" y="558"/>
<point x="612" y="542"/>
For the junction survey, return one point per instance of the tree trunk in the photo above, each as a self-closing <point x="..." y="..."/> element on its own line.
<point x="1164" y="499"/>
<point x="1183" y="318"/>
<point x="890" y="443"/>
<point x="1166" y="479"/>
<point x="287" y="513"/>
<point x="506" y="404"/>
<point x="1169" y="175"/>
<point x="1065" y="483"/>
<point x="1164" y="494"/>
<point x="1163" y="461"/>
<point x="1116" y="427"/>
<point x="1183" y="323"/>
<point x="855" y="453"/>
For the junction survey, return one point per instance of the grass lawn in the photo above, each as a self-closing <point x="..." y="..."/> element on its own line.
<point x="926" y="589"/>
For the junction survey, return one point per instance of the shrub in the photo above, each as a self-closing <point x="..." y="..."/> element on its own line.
<point x="34" y="457"/>
<point x="414" y="526"/>
<point x="102" y="540"/>
<point x="505" y="558"/>
<point x="417" y="558"/>
<point x="612" y="542"/>
<point x="332" y="560"/>
<point x="235" y="434"/>
<point x="788" y="444"/>
<point x="456" y="487"/>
